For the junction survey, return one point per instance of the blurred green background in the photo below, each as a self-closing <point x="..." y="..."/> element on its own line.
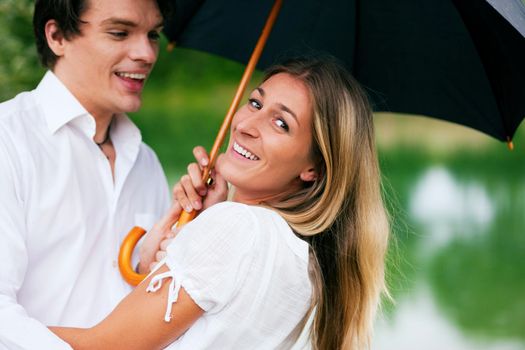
<point x="457" y="197"/>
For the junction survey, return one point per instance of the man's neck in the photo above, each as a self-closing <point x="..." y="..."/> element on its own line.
<point x="102" y="128"/>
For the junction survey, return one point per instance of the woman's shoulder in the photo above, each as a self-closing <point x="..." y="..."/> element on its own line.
<point x="229" y="214"/>
<point x="245" y="216"/>
<point x="240" y="213"/>
<point x="230" y="221"/>
<point x="238" y="222"/>
<point x="264" y="222"/>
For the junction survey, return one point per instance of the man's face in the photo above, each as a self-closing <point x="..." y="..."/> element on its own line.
<point x="105" y="67"/>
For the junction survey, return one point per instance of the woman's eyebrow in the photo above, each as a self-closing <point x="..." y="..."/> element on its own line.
<point x="281" y="106"/>
<point x="288" y="110"/>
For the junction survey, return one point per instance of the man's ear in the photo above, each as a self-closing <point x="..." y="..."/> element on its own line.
<point x="309" y="175"/>
<point x="55" y="38"/>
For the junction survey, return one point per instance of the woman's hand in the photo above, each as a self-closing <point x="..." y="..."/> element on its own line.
<point x="188" y="193"/>
<point x="191" y="189"/>
<point x="159" y="232"/>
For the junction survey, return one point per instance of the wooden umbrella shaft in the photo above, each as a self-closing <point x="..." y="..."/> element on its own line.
<point x="134" y="235"/>
<point x="223" y="131"/>
<point x="250" y="67"/>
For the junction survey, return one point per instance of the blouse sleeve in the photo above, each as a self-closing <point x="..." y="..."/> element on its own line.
<point x="211" y="256"/>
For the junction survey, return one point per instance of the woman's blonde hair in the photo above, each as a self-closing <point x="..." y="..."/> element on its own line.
<point x="341" y="214"/>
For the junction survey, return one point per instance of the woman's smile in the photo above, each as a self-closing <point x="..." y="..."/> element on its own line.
<point x="243" y="152"/>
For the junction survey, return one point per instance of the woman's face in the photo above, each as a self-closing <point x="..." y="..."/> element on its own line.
<point x="268" y="155"/>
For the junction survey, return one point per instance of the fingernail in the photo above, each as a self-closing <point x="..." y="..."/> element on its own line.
<point x="202" y="192"/>
<point x="197" y="205"/>
<point x="188" y="208"/>
<point x="204" y="161"/>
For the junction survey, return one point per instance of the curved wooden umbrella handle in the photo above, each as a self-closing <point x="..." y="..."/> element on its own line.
<point x="126" y="249"/>
<point x="125" y="253"/>
<point x="129" y="243"/>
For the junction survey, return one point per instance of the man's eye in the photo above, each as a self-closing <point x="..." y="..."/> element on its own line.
<point x="282" y="124"/>
<point x="119" y="34"/>
<point x="254" y="103"/>
<point x="154" y="36"/>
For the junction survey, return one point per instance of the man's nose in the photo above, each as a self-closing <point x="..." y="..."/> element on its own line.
<point x="145" y="50"/>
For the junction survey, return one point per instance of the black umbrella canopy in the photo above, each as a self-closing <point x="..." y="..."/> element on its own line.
<point x="457" y="60"/>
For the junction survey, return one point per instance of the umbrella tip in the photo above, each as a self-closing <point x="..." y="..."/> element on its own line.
<point x="510" y="145"/>
<point x="171" y="46"/>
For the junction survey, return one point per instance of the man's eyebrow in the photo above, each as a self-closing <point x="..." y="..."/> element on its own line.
<point x="126" y="22"/>
<point x="281" y="106"/>
<point x="121" y="21"/>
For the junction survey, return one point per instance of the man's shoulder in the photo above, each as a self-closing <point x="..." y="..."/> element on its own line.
<point x="22" y="104"/>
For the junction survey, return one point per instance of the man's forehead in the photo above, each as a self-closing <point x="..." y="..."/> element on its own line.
<point x="126" y="12"/>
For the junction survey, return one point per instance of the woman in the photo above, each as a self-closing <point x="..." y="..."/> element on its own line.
<point x="306" y="230"/>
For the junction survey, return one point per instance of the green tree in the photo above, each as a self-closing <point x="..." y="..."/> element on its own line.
<point x="19" y="65"/>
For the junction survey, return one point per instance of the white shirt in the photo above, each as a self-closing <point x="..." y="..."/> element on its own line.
<point x="62" y="218"/>
<point x="247" y="270"/>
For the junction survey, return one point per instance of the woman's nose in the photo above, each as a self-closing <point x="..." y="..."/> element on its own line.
<point x="249" y="125"/>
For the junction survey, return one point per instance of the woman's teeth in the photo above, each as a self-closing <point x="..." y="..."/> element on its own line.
<point x="243" y="152"/>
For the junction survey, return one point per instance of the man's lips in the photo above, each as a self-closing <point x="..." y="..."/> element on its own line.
<point x="131" y="80"/>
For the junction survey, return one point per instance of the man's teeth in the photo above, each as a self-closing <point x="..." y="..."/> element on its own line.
<point x="139" y="76"/>
<point x="244" y="152"/>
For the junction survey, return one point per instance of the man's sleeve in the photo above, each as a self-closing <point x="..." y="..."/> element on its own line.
<point x="17" y="329"/>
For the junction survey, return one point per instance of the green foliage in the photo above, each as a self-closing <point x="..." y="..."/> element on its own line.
<point x="19" y="66"/>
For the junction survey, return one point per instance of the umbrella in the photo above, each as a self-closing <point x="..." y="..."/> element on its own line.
<point x="457" y="60"/>
<point x="414" y="57"/>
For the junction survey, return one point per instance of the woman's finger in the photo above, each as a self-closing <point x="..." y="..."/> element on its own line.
<point x="193" y="197"/>
<point x="180" y="195"/>
<point x="195" y="174"/>
<point x="165" y="243"/>
<point x="201" y="156"/>
<point x="218" y="192"/>
<point x="160" y="255"/>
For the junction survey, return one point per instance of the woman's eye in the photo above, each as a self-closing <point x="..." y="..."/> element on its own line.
<point x="254" y="103"/>
<point x="282" y="124"/>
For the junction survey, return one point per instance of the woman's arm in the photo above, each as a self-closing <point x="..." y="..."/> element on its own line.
<point x="138" y="321"/>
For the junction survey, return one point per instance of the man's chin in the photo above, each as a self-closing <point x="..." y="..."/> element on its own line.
<point x="132" y="105"/>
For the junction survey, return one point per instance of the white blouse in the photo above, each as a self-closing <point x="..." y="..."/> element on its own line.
<point x="248" y="271"/>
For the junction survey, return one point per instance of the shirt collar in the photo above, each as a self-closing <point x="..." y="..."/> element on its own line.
<point x="57" y="102"/>
<point x="61" y="107"/>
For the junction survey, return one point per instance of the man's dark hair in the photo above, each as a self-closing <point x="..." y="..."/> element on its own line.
<point x="67" y="15"/>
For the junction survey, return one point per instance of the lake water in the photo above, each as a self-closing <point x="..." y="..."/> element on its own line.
<point x="457" y="272"/>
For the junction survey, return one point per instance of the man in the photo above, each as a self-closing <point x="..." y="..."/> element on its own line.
<point x="74" y="174"/>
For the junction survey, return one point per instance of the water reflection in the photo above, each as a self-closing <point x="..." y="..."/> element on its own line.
<point x="462" y="281"/>
<point x="447" y="208"/>
<point x="418" y="324"/>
